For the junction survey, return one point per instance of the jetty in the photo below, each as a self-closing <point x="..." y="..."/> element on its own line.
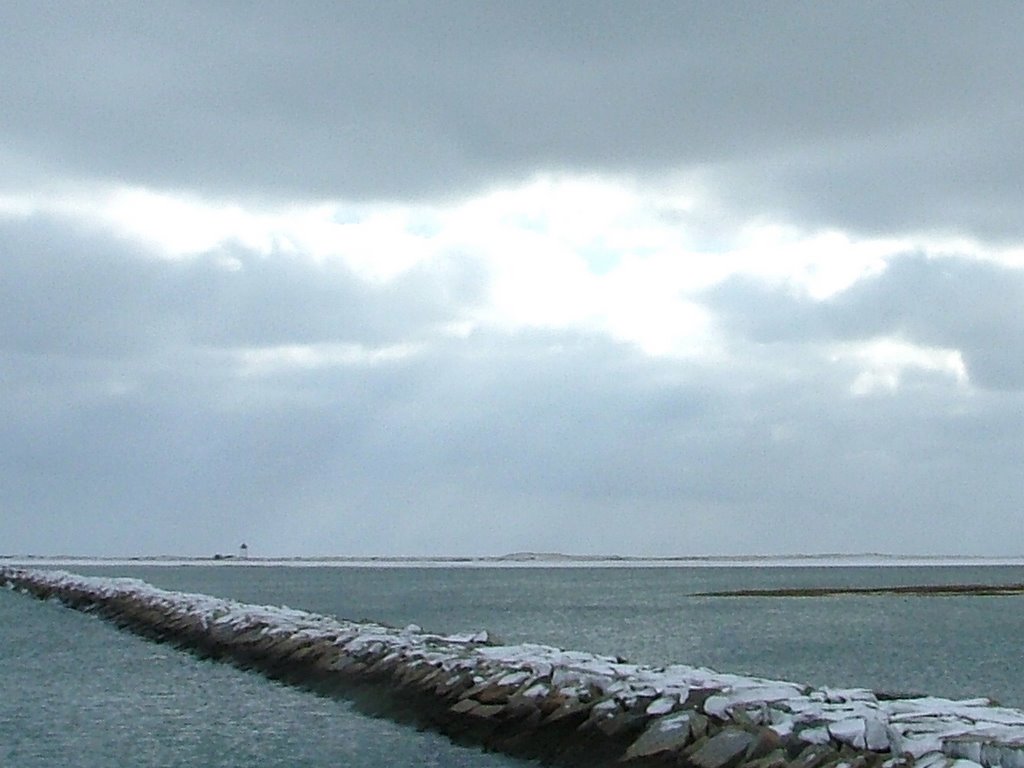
<point x="561" y="707"/>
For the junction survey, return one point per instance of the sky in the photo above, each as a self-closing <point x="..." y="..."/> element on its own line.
<point x="472" y="278"/>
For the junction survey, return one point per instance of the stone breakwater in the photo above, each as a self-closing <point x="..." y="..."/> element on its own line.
<point x="559" y="706"/>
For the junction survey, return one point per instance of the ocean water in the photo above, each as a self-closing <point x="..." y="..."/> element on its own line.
<point x="77" y="692"/>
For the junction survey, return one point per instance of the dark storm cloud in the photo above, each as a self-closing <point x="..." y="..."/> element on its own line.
<point x="871" y="115"/>
<point x="953" y="303"/>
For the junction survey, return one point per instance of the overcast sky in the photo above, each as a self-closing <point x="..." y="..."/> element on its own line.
<point x="454" y="278"/>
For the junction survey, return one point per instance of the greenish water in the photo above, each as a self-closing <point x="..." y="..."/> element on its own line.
<point x="78" y="692"/>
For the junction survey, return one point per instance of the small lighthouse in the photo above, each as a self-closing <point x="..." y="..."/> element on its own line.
<point x="243" y="551"/>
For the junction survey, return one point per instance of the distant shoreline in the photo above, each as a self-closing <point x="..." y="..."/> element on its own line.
<point x="530" y="560"/>
<point x="919" y="590"/>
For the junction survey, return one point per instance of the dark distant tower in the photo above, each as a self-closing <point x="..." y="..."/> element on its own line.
<point x="243" y="551"/>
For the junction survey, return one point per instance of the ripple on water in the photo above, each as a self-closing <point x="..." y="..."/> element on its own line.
<point x="79" y="693"/>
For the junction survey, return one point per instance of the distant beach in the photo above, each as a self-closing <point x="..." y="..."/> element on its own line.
<point x="533" y="560"/>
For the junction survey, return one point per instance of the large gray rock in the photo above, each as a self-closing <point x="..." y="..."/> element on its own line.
<point x="1004" y="755"/>
<point x="699" y="725"/>
<point x="311" y="653"/>
<point x="621" y="723"/>
<point x="286" y="646"/>
<point x="665" y="734"/>
<point x="777" y="758"/>
<point x="414" y="673"/>
<point x="766" y="742"/>
<point x="725" y="749"/>
<point x="569" y="709"/>
<point x="814" y="756"/>
<point x="463" y="706"/>
<point x="453" y="685"/>
<point x="248" y="637"/>
<point x="475" y="709"/>
<point x="491" y="694"/>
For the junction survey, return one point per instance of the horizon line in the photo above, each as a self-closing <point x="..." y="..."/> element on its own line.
<point x="519" y="556"/>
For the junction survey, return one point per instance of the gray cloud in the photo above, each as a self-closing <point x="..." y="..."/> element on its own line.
<point x="485" y="444"/>
<point x="957" y="177"/>
<point x="477" y="450"/>
<point x="869" y="116"/>
<point x="79" y="293"/>
<point x="130" y="422"/>
<point x="955" y="303"/>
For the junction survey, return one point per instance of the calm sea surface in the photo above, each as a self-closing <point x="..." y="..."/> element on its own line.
<point x="76" y="692"/>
